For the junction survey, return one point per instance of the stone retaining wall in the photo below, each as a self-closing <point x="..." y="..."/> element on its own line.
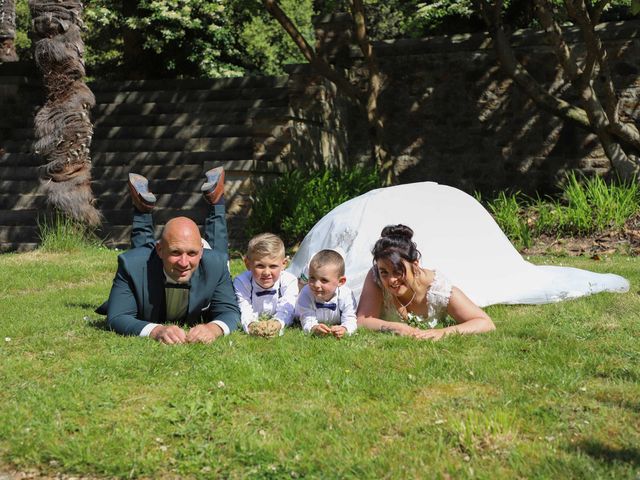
<point x="453" y="117"/>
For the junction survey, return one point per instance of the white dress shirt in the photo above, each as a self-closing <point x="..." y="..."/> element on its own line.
<point x="279" y="300"/>
<point x="340" y="310"/>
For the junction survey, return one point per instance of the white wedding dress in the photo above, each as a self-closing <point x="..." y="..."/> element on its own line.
<point x="456" y="236"/>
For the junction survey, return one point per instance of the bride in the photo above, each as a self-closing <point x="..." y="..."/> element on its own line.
<point x="458" y="239"/>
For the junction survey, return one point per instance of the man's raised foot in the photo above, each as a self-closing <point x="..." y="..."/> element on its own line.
<point x="213" y="188"/>
<point x="143" y="200"/>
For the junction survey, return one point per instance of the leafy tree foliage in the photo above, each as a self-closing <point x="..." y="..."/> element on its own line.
<point x="23" y="26"/>
<point x="389" y="19"/>
<point x="171" y="38"/>
<point x="265" y="45"/>
<point x="233" y="37"/>
<point x="160" y="38"/>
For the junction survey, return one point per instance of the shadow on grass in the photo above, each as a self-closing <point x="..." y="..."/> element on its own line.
<point x="608" y="454"/>
<point x="99" y="324"/>
<point x="96" y="320"/>
<point x="83" y="305"/>
<point x="628" y="404"/>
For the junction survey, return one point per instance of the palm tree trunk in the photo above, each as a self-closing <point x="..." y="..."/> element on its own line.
<point x="8" y="31"/>
<point x="63" y="128"/>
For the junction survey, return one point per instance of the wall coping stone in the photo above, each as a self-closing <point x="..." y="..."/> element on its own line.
<point x="608" y="31"/>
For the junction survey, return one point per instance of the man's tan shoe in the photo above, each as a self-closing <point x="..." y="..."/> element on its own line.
<point x="143" y="200"/>
<point x="213" y="188"/>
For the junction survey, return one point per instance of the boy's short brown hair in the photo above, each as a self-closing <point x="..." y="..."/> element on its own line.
<point x="328" y="257"/>
<point x="265" y="245"/>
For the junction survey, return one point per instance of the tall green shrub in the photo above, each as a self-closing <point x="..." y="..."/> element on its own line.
<point x="291" y="205"/>
<point x="508" y="212"/>
<point x="60" y="233"/>
<point x="587" y="205"/>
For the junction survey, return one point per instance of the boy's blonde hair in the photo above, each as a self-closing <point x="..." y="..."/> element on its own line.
<point x="328" y="257"/>
<point x="265" y="245"/>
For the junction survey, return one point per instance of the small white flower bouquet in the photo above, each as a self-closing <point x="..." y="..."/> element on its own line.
<point x="266" y="326"/>
<point x="418" y="322"/>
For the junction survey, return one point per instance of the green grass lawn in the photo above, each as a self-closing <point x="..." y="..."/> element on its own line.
<point x="553" y="393"/>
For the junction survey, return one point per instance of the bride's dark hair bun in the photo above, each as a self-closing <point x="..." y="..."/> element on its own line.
<point x="398" y="230"/>
<point x="395" y="245"/>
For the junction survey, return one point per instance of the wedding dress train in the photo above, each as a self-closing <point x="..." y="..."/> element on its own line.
<point x="456" y="236"/>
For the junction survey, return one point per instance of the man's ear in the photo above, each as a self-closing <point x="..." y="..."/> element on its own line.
<point x="342" y="280"/>
<point x="159" y="248"/>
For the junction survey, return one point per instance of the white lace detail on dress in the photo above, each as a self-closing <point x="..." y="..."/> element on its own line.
<point x="438" y="297"/>
<point x="345" y="240"/>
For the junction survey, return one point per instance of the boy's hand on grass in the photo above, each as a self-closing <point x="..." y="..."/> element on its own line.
<point x="338" y="331"/>
<point x="169" y="334"/>
<point x="204" y="333"/>
<point x="321" y="329"/>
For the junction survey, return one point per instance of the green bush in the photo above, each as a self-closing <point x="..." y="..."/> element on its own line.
<point x="292" y="204"/>
<point x="509" y="213"/>
<point x="587" y="205"/>
<point x="594" y="206"/>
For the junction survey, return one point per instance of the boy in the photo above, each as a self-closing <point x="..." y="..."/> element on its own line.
<point x="326" y="306"/>
<point x="265" y="288"/>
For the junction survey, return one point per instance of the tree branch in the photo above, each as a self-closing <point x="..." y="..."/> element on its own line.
<point x="594" y="116"/>
<point x="579" y="14"/>
<point x="597" y="9"/>
<point x="375" y="83"/>
<point x="309" y="53"/>
<point x="554" y="33"/>
<point x="627" y="132"/>
<point x="384" y="160"/>
<point x="523" y="78"/>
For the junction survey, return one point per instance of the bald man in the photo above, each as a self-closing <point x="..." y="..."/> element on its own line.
<point x="175" y="291"/>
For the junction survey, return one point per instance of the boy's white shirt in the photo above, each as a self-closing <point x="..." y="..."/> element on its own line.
<point x="251" y="306"/>
<point x="344" y="314"/>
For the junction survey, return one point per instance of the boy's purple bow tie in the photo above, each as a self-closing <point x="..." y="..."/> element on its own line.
<point x="330" y="306"/>
<point x="265" y="292"/>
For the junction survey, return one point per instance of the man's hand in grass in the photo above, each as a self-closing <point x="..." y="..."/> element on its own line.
<point x="321" y="329"/>
<point x="204" y="333"/>
<point x="169" y="334"/>
<point x="338" y="331"/>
